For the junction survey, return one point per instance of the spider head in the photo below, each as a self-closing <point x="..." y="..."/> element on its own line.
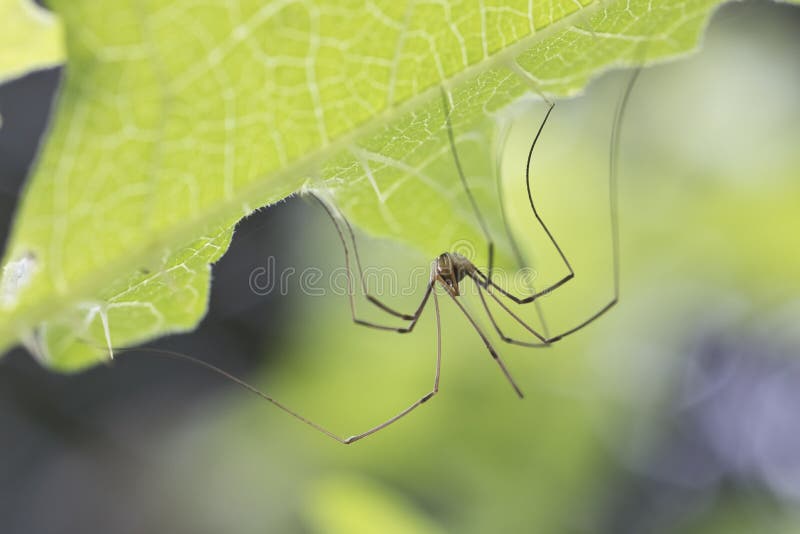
<point x="449" y="272"/>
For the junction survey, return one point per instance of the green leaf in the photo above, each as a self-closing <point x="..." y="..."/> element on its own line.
<point x="30" y="38"/>
<point x="176" y="119"/>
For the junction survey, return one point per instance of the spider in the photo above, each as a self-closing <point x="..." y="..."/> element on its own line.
<point x="449" y="270"/>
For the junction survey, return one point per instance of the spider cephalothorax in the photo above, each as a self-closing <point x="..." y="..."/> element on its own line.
<point x="451" y="268"/>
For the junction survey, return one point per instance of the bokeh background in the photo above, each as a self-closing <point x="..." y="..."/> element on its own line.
<point x="679" y="412"/>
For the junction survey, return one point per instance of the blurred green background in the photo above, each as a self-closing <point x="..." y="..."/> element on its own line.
<point x="675" y="413"/>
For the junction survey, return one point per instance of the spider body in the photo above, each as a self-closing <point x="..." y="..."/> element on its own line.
<point x="449" y="269"/>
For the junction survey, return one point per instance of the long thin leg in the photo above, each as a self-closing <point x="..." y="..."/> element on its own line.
<point x="489" y="346"/>
<point x="372" y="299"/>
<point x="286" y="409"/>
<point x="418" y="312"/>
<point x="543" y="339"/>
<point x="486" y="283"/>
<point x="483" y="284"/>
<point x="448" y="109"/>
<point x="482" y="222"/>
<point x="239" y="382"/>
<point x="350" y="293"/>
<point x="518" y="256"/>
<point x="517" y="253"/>
<point x="571" y="274"/>
<point x="490" y="243"/>
<point x="613" y="161"/>
<point x="425" y="398"/>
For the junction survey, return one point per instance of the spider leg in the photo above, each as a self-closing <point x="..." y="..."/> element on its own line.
<point x="238" y="381"/>
<point x="616" y="128"/>
<point x="422" y="400"/>
<point x="374" y="300"/>
<point x="413" y="318"/>
<point x="571" y="273"/>
<point x="489" y="346"/>
<point x="482" y="223"/>
<point x="543" y="339"/>
<point x="418" y="312"/>
<point x="319" y="428"/>
<point x="486" y="283"/>
<point x="448" y="110"/>
<point x="518" y="255"/>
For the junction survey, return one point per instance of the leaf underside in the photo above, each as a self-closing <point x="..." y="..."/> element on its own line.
<point x="176" y="119"/>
